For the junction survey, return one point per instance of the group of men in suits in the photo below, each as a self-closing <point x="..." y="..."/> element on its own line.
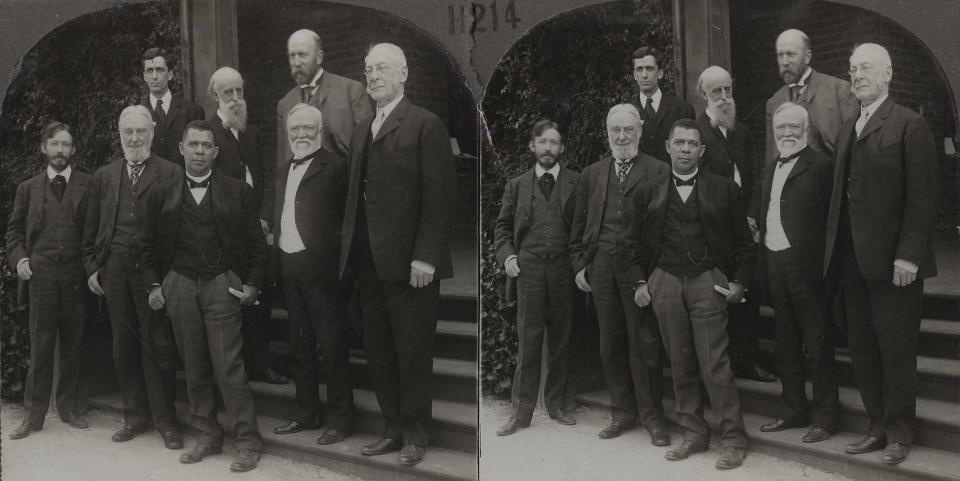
<point x="846" y="192"/>
<point x="182" y="245"/>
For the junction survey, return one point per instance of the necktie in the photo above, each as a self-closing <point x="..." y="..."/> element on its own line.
<point x="378" y="122"/>
<point x="648" y="110"/>
<point x="795" y="92"/>
<point x="58" y="184"/>
<point x="546" y="182"/>
<point x="158" y="112"/>
<point x="198" y="185"/>
<point x="680" y="182"/>
<point x="784" y="160"/>
<point x="623" y="168"/>
<point x="306" y="93"/>
<point x="862" y="121"/>
<point x="135" y="171"/>
<point x="296" y="161"/>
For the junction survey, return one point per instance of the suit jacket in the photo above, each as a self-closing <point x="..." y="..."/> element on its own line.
<point x="655" y="133"/>
<point x="515" y="217"/>
<point x="804" y="203"/>
<point x="239" y="229"/>
<point x="318" y="212"/>
<point x="247" y="150"/>
<point x="27" y="218"/>
<point x="722" y="153"/>
<point x="829" y="102"/>
<point x="721" y="215"/>
<point x="103" y="200"/>
<point x="893" y="191"/>
<point x="180" y="114"/>
<point x="411" y="192"/>
<point x="343" y="102"/>
<point x="591" y="196"/>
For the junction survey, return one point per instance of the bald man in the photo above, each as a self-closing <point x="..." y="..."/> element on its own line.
<point x="242" y="157"/>
<point x="629" y="343"/>
<point x="111" y="255"/>
<point x="883" y="210"/>
<point x="827" y="99"/>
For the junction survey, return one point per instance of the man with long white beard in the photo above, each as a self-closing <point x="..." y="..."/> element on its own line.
<point x="729" y="153"/>
<point x="242" y="157"/>
<point x="111" y="255"/>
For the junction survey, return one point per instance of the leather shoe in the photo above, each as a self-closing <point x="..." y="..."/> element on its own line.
<point x="511" y="427"/>
<point x="331" y="436"/>
<point x="127" y="432"/>
<point x="780" y="425"/>
<point x="756" y="373"/>
<point x="269" y="376"/>
<point x="563" y="418"/>
<point x="411" y="454"/>
<point x="816" y="434"/>
<point x="383" y="446"/>
<point x="731" y="458"/>
<point x="203" y="448"/>
<point x="75" y="421"/>
<point x="685" y="449"/>
<point x="23" y="430"/>
<point x="868" y="444"/>
<point x="895" y="453"/>
<point x="172" y="439"/>
<point x="295" y="427"/>
<point x="245" y="460"/>
<point x="659" y="436"/>
<point x="614" y="429"/>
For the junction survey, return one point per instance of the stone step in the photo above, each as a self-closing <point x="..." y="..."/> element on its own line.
<point x="439" y="464"/>
<point x="924" y="463"/>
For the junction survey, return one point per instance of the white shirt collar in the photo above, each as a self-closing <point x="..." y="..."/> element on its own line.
<point x="657" y="96"/>
<point x="389" y="107"/>
<point x="803" y="78"/>
<point x="53" y="173"/>
<point x="316" y="79"/>
<point x="167" y="98"/>
<point x="870" y="109"/>
<point x="199" y="179"/>
<point x="555" y="170"/>
<point x="686" y="176"/>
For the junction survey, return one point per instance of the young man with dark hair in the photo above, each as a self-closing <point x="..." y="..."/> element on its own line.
<point x="659" y="110"/>
<point x="171" y="113"/>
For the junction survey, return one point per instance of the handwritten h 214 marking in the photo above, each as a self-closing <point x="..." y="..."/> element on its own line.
<point x="482" y="15"/>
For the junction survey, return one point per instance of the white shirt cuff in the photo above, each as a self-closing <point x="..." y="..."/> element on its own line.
<point x="423" y="266"/>
<point x="511" y="256"/>
<point x="906" y="265"/>
<point x="21" y="261"/>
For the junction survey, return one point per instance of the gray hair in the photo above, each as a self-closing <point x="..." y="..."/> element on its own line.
<point x="134" y="110"/>
<point x="628" y="108"/>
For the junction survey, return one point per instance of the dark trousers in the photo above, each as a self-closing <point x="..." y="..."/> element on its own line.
<point x="883" y="328"/>
<point x="257" y="336"/>
<point x="317" y="317"/>
<point x="207" y="324"/>
<point x="56" y="309"/>
<point x="804" y="331"/>
<point x="148" y="391"/>
<point x="743" y="329"/>
<point x="399" y="324"/>
<point x="544" y="307"/>
<point x="629" y="344"/>
<point x="693" y="320"/>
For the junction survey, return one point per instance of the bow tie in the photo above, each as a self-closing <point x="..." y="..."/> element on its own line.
<point x="680" y="182"/>
<point x="203" y="184"/>
<point x="784" y="160"/>
<point x="296" y="161"/>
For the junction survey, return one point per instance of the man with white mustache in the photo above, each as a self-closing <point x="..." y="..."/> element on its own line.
<point x="729" y="153"/>
<point x="795" y="195"/>
<point x="111" y="255"/>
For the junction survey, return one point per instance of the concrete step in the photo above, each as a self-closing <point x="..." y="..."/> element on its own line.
<point x="924" y="463"/>
<point x="439" y="464"/>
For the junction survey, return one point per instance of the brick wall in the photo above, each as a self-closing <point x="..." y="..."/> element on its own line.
<point x="347" y="32"/>
<point x="834" y="29"/>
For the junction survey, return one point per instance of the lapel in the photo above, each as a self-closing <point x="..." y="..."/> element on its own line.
<point x="283" y="171"/>
<point x="172" y="111"/>
<point x="802" y="163"/>
<point x="525" y="193"/>
<point x="79" y="187"/>
<point x="316" y="166"/>
<point x="637" y="173"/>
<point x="567" y="185"/>
<point x="220" y="201"/>
<point x="38" y="195"/>
<point x="393" y="120"/>
<point x="150" y="172"/>
<point x="658" y="208"/>
<point x="323" y="88"/>
<point x="705" y="190"/>
<point x="603" y="171"/>
<point x="877" y="120"/>
<point x="808" y="93"/>
<point x="116" y="177"/>
<point x="666" y="103"/>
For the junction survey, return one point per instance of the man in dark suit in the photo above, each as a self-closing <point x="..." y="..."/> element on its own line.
<point x="341" y="100"/>
<point x="879" y="235"/>
<point x="171" y="113"/>
<point x="659" y="110"/>
<point x="241" y="157"/>
<point x="532" y="233"/>
<point x="204" y="256"/>
<point x="44" y="236"/>
<point x="629" y="343"/>
<point x="111" y="246"/>
<point x="827" y="99"/>
<point x="689" y="236"/>
<point x="795" y="195"/>
<point x="728" y="153"/>
<point x="396" y="229"/>
<point x="312" y="194"/>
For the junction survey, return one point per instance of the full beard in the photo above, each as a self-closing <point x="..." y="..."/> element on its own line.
<point x="136" y="154"/>
<point x="624" y="152"/>
<point x="546" y="161"/>
<point x="725" y="115"/>
<point x="236" y="115"/>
